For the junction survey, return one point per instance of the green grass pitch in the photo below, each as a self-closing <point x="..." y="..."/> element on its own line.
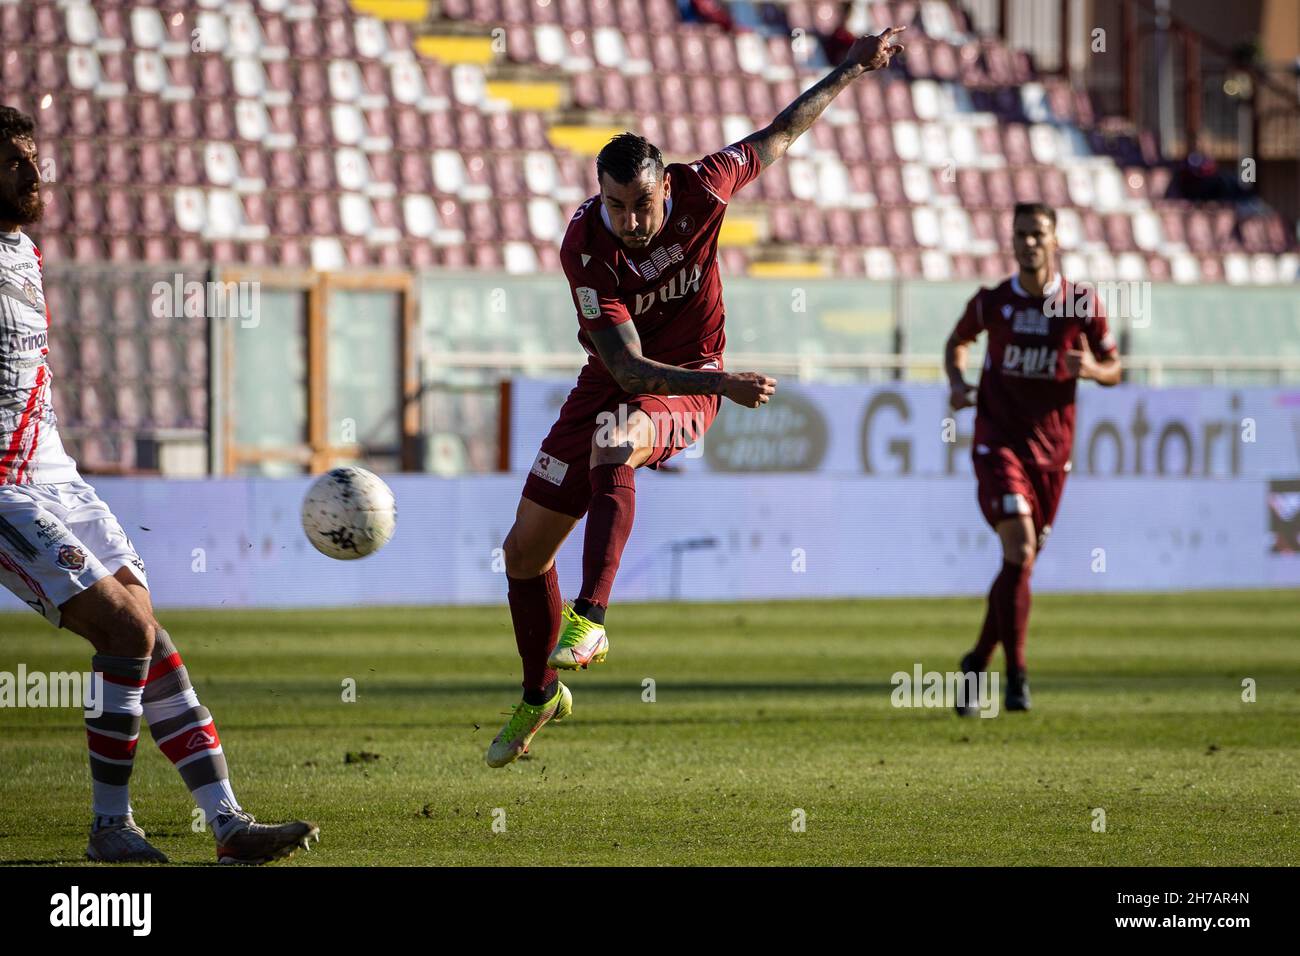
<point x="760" y="710"/>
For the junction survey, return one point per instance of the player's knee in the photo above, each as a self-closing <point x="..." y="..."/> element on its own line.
<point x="130" y="634"/>
<point x="1022" y="553"/>
<point x="522" y="561"/>
<point x="615" y="448"/>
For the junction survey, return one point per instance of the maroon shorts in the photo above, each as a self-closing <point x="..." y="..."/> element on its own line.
<point x="558" y="477"/>
<point x="1010" y="486"/>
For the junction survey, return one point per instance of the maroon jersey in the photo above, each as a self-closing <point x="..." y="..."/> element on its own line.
<point x="1026" y="397"/>
<point x="671" y="289"/>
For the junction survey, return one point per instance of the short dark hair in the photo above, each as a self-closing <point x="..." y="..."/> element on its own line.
<point x="15" y="124"/>
<point x="1037" y="209"/>
<point x="626" y="156"/>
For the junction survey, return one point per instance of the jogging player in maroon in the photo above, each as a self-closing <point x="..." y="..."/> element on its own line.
<point x="641" y="260"/>
<point x="1043" y="335"/>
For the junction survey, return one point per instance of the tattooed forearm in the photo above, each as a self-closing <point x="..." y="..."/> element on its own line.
<point x="644" y="376"/>
<point x="771" y="142"/>
<point x="620" y="349"/>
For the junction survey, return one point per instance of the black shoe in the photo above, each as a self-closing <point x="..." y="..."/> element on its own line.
<point x="1017" y="692"/>
<point x="972" y="707"/>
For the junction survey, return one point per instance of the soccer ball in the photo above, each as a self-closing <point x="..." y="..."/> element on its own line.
<point x="349" y="513"/>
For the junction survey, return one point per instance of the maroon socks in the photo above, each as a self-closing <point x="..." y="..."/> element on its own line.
<point x="609" y="522"/>
<point x="1007" y="619"/>
<point x="535" y="607"/>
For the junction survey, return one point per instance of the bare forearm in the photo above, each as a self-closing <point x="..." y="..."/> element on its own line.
<point x="771" y="142"/>
<point x="954" y="361"/>
<point x="640" y="375"/>
<point x="1108" y="373"/>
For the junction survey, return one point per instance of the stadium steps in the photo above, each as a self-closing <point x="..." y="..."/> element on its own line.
<point x="788" y="270"/>
<point x="528" y="95"/>
<point x="741" y="231"/>
<point x="454" y="49"/>
<point x="405" y="11"/>
<point x="583" y="140"/>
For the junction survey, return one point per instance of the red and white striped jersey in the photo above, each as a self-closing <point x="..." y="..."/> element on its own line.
<point x="31" y="451"/>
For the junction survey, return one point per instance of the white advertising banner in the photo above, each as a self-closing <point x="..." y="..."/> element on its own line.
<point x="832" y="491"/>
<point x="908" y="430"/>
<point x="710" y="536"/>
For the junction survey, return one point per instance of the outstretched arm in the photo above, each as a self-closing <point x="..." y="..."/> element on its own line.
<point x="867" y="53"/>
<point x="619" y="348"/>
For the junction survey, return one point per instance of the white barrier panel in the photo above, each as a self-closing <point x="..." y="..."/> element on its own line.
<point x="905" y="429"/>
<point x="703" y="536"/>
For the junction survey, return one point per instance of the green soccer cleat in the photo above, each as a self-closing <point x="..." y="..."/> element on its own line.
<point x="523" y="725"/>
<point x="581" y="642"/>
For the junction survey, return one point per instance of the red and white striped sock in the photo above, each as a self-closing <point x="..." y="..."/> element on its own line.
<point x="185" y="732"/>
<point x="113" y="734"/>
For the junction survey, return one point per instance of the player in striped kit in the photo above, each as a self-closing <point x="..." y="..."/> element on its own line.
<point x="67" y="557"/>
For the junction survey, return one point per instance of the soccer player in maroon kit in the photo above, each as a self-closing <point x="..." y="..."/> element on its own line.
<point x="1044" y="334"/>
<point x="641" y="260"/>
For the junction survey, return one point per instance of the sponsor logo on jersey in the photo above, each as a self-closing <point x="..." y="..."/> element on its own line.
<point x="686" y="282"/>
<point x="549" y="468"/>
<point x="660" y="259"/>
<point x="70" y="558"/>
<point x="28" y="343"/>
<point x="588" y="302"/>
<point x="1035" y="361"/>
<point x="1030" y="322"/>
<point x="49" y="532"/>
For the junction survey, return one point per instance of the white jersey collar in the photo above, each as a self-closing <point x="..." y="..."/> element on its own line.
<point x="1053" y="286"/>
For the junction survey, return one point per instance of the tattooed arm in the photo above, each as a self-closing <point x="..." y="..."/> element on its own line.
<point x="619" y="348"/>
<point x="867" y="53"/>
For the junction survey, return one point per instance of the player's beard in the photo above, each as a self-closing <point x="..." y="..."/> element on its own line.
<point x="25" y="211"/>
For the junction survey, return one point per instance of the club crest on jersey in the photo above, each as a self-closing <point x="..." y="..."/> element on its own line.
<point x="684" y="225"/>
<point x="661" y="259"/>
<point x="71" y="558"/>
<point x="30" y="292"/>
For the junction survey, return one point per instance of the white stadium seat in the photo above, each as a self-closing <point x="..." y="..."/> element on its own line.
<point x="420" y="215"/>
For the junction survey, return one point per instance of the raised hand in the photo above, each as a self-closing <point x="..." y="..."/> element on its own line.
<point x="874" y="52"/>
